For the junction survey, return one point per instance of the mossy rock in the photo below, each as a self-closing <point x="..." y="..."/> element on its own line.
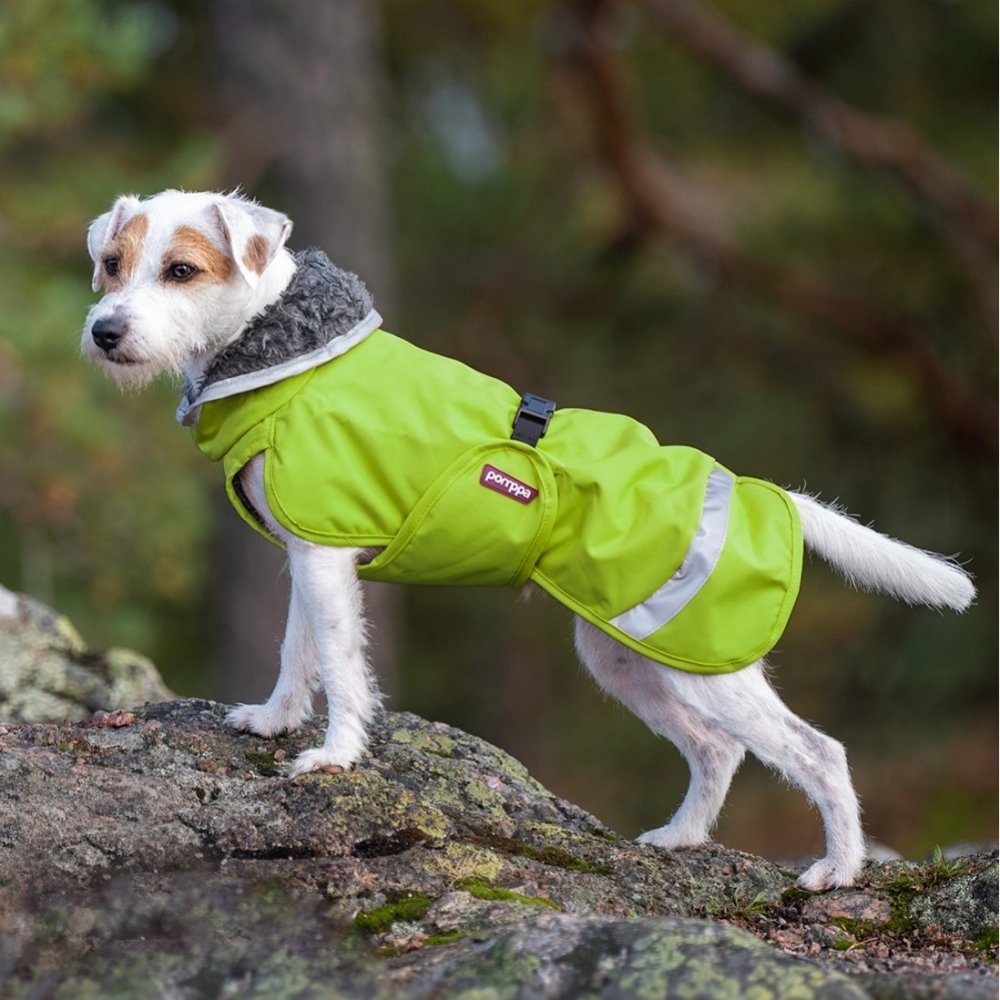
<point x="168" y="855"/>
<point x="47" y="674"/>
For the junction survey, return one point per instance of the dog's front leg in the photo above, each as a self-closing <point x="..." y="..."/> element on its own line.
<point x="290" y="704"/>
<point x="327" y="587"/>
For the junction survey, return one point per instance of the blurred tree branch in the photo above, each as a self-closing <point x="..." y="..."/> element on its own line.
<point x="879" y="141"/>
<point x="661" y="202"/>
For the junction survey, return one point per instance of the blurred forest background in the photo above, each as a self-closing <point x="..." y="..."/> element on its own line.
<point x="763" y="229"/>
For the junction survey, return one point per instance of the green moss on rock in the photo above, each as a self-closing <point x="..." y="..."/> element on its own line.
<point x="482" y="889"/>
<point x="408" y="909"/>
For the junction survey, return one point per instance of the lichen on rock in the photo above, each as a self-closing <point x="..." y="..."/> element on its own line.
<point x="47" y="672"/>
<point x="152" y="851"/>
<point x="158" y="847"/>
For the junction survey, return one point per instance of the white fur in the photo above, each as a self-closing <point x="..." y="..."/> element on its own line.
<point x="873" y="561"/>
<point x="180" y="327"/>
<point x="324" y="644"/>
<point x="713" y="720"/>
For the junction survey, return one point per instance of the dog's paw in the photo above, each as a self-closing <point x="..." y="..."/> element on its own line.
<point x="264" y="720"/>
<point x="670" y="838"/>
<point x="328" y="761"/>
<point x="826" y="874"/>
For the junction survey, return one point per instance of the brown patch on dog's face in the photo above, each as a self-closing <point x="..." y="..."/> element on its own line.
<point x="194" y="257"/>
<point x="256" y="253"/>
<point x="119" y="257"/>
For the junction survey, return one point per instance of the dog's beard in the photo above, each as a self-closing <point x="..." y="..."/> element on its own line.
<point x="130" y="366"/>
<point x="132" y="376"/>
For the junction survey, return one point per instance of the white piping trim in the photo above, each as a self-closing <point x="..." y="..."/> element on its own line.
<point x="189" y="411"/>
<point x="700" y="560"/>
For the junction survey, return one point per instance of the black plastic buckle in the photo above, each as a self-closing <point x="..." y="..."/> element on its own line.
<point x="532" y="420"/>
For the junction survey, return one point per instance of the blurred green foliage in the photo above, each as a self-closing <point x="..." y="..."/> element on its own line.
<point x="103" y="510"/>
<point x="58" y="55"/>
<point x="513" y="252"/>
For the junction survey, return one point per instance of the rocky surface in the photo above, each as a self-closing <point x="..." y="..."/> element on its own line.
<point x="155" y="853"/>
<point x="47" y="673"/>
<point x="151" y="852"/>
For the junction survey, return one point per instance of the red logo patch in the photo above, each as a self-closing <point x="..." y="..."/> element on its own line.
<point x="500" y="482"/>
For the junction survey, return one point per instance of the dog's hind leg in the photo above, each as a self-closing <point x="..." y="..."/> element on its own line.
<point x="746" y="707"/>
<point x="712" y="719"/>
<point x="712" y="755"/>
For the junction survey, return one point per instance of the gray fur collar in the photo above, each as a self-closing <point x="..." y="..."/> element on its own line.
<point x="322" y="313"/>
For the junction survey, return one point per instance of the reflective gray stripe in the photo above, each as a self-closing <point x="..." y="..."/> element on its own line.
<point x="189" y="410"/>
<point x="701" y="558"/>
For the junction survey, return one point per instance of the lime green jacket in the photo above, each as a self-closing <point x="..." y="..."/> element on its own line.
<point x="388" y="445"/>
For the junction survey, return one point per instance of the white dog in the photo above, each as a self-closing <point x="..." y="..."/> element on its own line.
<point x="202" y="285"/>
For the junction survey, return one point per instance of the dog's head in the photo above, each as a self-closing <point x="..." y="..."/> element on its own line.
<point x="182" y="274"/>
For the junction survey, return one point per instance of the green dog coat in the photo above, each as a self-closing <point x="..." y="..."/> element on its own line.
<point x="370" y="441"/>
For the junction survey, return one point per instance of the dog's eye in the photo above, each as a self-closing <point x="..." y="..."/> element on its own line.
<point x="181" y="271"/>
<point x="110" y="266"/>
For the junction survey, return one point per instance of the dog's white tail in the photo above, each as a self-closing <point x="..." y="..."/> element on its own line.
<point x="873" y="561"/>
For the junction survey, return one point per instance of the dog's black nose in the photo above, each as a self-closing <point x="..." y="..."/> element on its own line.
<point x="107" y="333"/>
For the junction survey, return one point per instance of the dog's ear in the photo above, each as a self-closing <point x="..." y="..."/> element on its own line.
<point x="103" y="229"/>
<point x="254" y="234"/>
